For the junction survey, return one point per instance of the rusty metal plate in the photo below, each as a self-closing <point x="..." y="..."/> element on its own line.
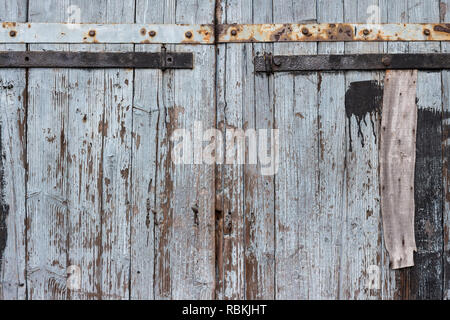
<point x="12" y="32"/>
<point x="332" y="32"/>
<point x="431" y="61"/>
<point x="53" y="59"/>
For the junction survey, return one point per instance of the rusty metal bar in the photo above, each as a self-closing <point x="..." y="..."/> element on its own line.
<point x="427" y="61"/>
<point x="332" y="32"/>
<point x="12" y="32"/>
<point x="53" y="59"/>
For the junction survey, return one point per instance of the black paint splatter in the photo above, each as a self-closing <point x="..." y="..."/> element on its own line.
<point x="362" y="98"/>
<point x="4" y="207"/>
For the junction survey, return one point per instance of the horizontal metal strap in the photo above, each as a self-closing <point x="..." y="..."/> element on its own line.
<point x="12" y="32"/>
<point x="53" y="59"/>
<point x="333" y="32"/>
<point x="428" y="61"/>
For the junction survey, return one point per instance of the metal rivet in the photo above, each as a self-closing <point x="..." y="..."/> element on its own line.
<point x="305" y="31"/>
<point x="143" y="31"/>
<point x="188" y="34"/>
<point x="386" y="61"/>
<point x="92" y="33"/>
<point x="233" y="32"/>
<point x="366" y="32"/>
<point x="152" y="33"/>
<point x="12" y="33"/>
<point x="426" y="32"/>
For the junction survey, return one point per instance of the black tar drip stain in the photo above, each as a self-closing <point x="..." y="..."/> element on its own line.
<point x="362" y="98"/>
<point x="4" y="207"/>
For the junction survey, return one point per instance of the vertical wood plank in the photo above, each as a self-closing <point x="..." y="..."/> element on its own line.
<point x="147" y="110"/>
<point x="245" y="247"/>
<point x="13" y="100"/>
<point x="47" y="200"/>
<point x="424" y="280"/>
<point x="183" y="194"/>
<point x="332" y="151"/>
<point x="445" y="46"/>
<point x="362" y="236"/>
<point x="116" y="157"/>
<point x="85" y="142"/>
<point x="259" y="189"/>
<point x="397" y="163"/>
<point x="296" y="192"/>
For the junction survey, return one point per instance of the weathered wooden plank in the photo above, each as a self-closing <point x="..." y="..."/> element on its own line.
<point x="397" y="163"/>
<point x="424" y="280"/>
<point x="233" y="89"/>
<point x="148" y="108"/>
<point x="361" y="241"/>
<point x="183" y="195"/>
<point x="245" y="238"/>
<point x="116" y="157"/>
<point x="13" y="106"/>
<point x="445" y="17"/>
<point x="332" y="152"/>
<point x="296" y="183"/>
<point x="259" y="207"/>
<point x="47" y="201"/>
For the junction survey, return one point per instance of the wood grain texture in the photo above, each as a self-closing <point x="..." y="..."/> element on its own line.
<point x="47" y="189"/>
<point x="101" y="191"/>
<point x="445" y="47"/>
<point x="296" y="184"/>
<point x="397" y="162"/>
<point x="332" y="152"/>
<point x="424" y="280"/>
<point x="244" y="205"/>
<point x="182" y="199"/>
<point x="13" y="106"/>
<point x="362" y="256"/>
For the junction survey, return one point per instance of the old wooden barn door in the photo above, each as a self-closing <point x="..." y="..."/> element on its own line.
<point x="94" y="204"/>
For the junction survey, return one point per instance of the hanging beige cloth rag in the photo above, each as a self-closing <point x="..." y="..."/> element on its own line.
<point x="397" y="162"/>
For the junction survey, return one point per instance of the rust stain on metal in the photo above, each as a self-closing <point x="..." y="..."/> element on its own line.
<point x="9" y="24"/>
<point x="332" y="32"/>
<point x="442" y="28"/>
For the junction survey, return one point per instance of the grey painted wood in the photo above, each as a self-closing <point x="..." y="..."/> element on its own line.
<point x="47" y="189"/>
<point x="244" y="205"/>
<point x="103" y="194"/>
<point x="397" y="164"/>
<point x="362" y="252"/>
<point x="296" y="196"/>
<point x="13" y="99"/>
<point x="182" y="200"/>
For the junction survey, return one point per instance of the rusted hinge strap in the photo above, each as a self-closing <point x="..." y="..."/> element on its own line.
<point x="427" y="61"/>
<point x="14" y="32"/>
<point x="54" y="59"/>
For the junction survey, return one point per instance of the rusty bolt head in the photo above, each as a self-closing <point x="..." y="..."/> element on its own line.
<point x="366" y="32"/>
<point x="188" y="34"/>
<point x="92" y="33"/>
<point x="143" y="31"/>
<point x="12" y="33"/>
<point x="152" y="33"/>
<point x="426" y="32"/>
<point x="386" y="61"/>
<point x="305" y="31"/>
<point x="233" y="32"/>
